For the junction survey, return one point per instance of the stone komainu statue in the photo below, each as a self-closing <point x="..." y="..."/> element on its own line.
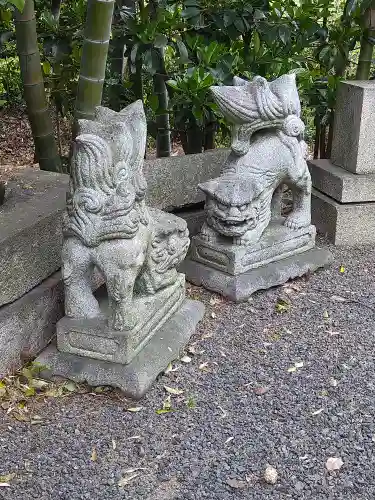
<point x="267" y="152"/>
<point x="109" y="226"/>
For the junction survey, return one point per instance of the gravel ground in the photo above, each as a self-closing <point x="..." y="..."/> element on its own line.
<point x="241" y="408"/>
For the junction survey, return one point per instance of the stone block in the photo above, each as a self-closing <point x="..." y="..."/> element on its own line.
<point x="30" y="232"/>
<point x="28" y="324"/>
<point x="354" y="130"/>
<point x="240" y="287"/>
<point x="343" y="224"/>
<point x="136" y="377"/>
<point x="338" y="183"/>
<point x="276" y="243"/>
<point x="173" y="182"/>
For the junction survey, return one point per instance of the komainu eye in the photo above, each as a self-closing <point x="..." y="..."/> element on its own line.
<point x="221" y="206"/>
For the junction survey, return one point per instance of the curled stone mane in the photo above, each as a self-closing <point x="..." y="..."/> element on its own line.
<point x="107" y="187"/>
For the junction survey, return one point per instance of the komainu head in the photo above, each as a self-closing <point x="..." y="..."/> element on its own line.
<point x="107" y="189"/>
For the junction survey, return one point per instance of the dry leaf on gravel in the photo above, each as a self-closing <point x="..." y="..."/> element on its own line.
<point x="229" y="440"/>
<point x="259" y="391"/>
<point x="203" y="366"/>
<point x="134" y="409"/>
<point x="94" y="455"/>
<point x="317" y="412"/>
<point x="124" y="481"/>
<point x="334" y="463"/>
<point x="337" y="298"/>
<point x="186" y="359"/>
<point x="174" y="391"/>
<point x="114" y="445"/>
<point x="6" y="479"/>
<point x="282" y="306"/>
<point x="236" y="484"/>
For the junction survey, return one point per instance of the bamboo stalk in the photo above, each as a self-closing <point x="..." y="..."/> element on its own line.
<point x="33" y="88"/>
<point x="367" y="47"/>
<point x="94" y="57"/>
<point x="163" y="138"/>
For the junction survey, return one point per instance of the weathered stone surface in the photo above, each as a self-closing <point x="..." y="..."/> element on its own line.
<point x="338" y="183"/>
<point x="94" y="338"/>
<point x="28" y="324"/>
<point x="276" y="243"/>
<point x="240" y="287"/>
<point x="137" y="377"/>
<point x="343" y="224"/>
<point x="126" y="337"/>
<point x="244" y="244"/>
<point x="108" y="224"/>
<point x="354" y="131"/>
<point x="173" y="182"/>
<point x="30" y="232"/>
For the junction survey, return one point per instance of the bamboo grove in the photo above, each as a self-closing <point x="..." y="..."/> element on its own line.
<point x="70" y="56"/>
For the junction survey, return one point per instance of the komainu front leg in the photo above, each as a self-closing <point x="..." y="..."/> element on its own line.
<point x="120" y="293"/>
<point x="207" y="233"/>
<point x="301" y="214"/>
<point x="77" y="272"/>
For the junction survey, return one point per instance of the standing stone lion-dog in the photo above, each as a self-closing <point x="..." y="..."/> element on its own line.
<point x="106" y="207"/>
<point x="267" y="152"/>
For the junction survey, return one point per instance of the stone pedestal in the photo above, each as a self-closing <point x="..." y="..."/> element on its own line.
<point x="238" y="271"/>
<point x="343" y="198"/>
<point x="136" y="377"/>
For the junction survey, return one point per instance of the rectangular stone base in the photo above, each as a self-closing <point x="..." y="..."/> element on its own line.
<point x="240" y="287"/>
<point x="136" y="377"/>
<point x="343" y="223"/>
<point x="276" y="243"/>
<point x="95" y="339"/>
<point x="338" y="183"/>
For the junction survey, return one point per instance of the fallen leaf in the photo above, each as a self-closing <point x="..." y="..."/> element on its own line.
<point x="334" y="463"/>
<point x="7" y="478"/>
<point x="215" y="300"/>
<point x="259" y="391"/>
<point x="94" y="455"/>
<point x="134" y="409"/>
<point x="333" y="382"/>
<point x="270" y="475"/>
<point x="70" y="386"/>
<point x="170" y="368"/>
<point x="292" y="369"/>
<point x="299" y="364"/>
<point x="171" y="390"/>
<point x="282" y="306"/>
<point x="317" y="412"/>
<point x="342" y="269"/>
<point x="186" y="359"/>
<point x="202" y="366"/>
<point x="229" y="440"/>
<point x="337" y="298"/>
<point x="325" y="315"/>
<point x="163" y="410"/>
<point x="126" y="480"/>
<point x="114" y="445"/>
<point x="236" y="483"/>
<point x="134" y="437"/>
<point x="36" y="419"/>
<point x="213" y="315"/>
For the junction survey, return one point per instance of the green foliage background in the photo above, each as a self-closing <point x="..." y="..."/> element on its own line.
<point x="199" y="43"/>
